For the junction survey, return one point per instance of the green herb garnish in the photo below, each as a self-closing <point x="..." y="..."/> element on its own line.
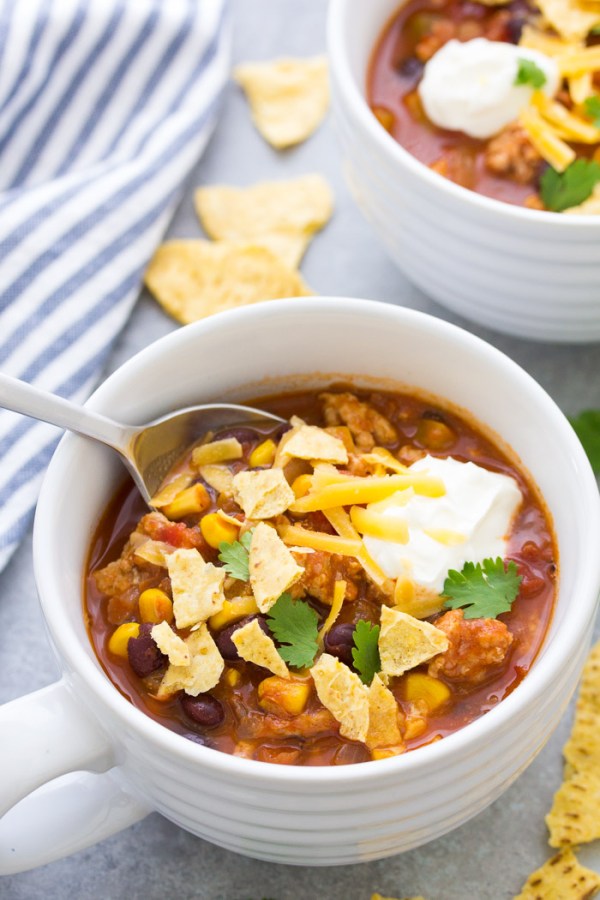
<point x="592" y="109"/>
<point x="561" y="190"/>
<point x="587" y="428"/>
<point x="295" y="625"/>
<point x="365" y="652"/>
<point x="483" y="590"/>
<point x="235" y="555"/>
<point x="529" y="72"/>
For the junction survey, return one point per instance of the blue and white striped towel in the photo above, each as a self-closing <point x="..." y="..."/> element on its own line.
<point x="105" y="105"/>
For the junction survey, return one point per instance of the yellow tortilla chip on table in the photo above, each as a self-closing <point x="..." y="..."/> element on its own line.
<point x="345" y="696"/>
<point x="171" y="644"/>
<point x="262" y="493"/>
<point x="384" y="726"/>
<point x="272" y="567"/>
<point x="380" y="897"/>
<point x="561" y="878"/>
<point x="203" y="672"/>
<point x="256" y="647"/>
<point x="194" y="279"/>
<point x="288" y="97"/>
<point x="571" y="20"/>
<point x="197" y="587"/>
<point x="406" y="642"/>
<point x="279" y="215"/>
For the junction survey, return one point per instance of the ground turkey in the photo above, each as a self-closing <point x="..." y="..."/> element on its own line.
<point x="367" y="425"/>
<point x="477" y="648"/>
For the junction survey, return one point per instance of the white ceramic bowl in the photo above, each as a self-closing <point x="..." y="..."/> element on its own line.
<point x="309" y="816"/>
<point x="524" y="272"/>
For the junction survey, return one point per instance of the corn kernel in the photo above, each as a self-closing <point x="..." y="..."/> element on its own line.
<point x="283" y="695"/>
<point x="121" y="636"/>
<point x="424" y="689"/>
<point x="191" y="501"/>
<point x="301" y="485"/>
<point x="232" y="677"/>
<point x="155" y="606"/>
<point x="215" y="530"/>
<point x="233" y="611"/>
<point x="263" y="454"/>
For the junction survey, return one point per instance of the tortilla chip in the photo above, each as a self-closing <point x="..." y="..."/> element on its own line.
<point x="345" y="696"/>
<point x="272" y="567"/>
<point x="279" y="215"/>
<point x="313" y="443"/>
<point x="256" y="647"/>
<point x="218" y="477"/>
<point x="384" y="727"/>
<point x="406" y="642"/>
<point x="570" y="19"/>
<point x="203" y="672"/>
<point x="194" y="279"/>
<point x="168" y="493"/>
<point x="171" y="644"/>
<point x="215" y="452"/>
<point x="262" y="493"/>
<point x="288" y="97"/>
<point x="561" y="878"/>
<point x="197" y="587"/>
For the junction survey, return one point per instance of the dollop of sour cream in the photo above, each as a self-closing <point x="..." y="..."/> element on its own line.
<point x="470" y="86"/>
<point x="470" y="522"/>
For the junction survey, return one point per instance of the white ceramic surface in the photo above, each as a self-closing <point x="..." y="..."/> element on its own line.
<point x="312" y="816"/>
<point x="524" y="272"/>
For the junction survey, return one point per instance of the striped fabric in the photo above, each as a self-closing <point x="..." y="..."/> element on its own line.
<point x="105" y="105"/>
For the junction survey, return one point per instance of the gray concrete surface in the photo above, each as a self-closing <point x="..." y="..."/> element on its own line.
<point x="489" y="857"/>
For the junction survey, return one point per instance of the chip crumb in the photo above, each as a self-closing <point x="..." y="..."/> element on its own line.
<point x="192" y="279"/>
<point x="313" y="443"/>
<point x="288" y="97"/>
<point x="384" y="718"/>
<point x="170" y="644"/>
<point x="561" y="878"/>
<point x="256" y="647"/>
<point x="272" y="567"/>
<point x="203" y="672"/>
<point x="218" y="477"/>
<point x="406" y="642"/>
<point x="197" y="587"/>
<point x="345" y="696"/>
<point x="262" y="493"/>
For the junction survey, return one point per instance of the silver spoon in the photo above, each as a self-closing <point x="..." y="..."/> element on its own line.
<point x="148" y="451"/>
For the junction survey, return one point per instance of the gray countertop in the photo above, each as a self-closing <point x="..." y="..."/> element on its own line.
<point x="490" y="856"/>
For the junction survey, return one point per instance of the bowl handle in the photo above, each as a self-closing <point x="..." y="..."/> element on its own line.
<point x="46" y="735"/>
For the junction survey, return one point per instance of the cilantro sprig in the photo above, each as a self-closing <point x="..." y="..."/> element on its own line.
<point x="235" y="557"/>
<point x="587" y="428"/>
<point x="483" y="590"/>
<point x="365" y="652"/>
<point x="295" y="625"/>
<point x="592" y="109"/>
<point x="561" y="190"/>
<point x="528" y="72"/>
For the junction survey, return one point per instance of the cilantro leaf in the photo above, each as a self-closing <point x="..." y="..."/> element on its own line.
<point x="295" y="625"/>
<point x="365" y="652"/>
<point x="234" y="557"/>
<point x="529" y="72"/>
<point x="561" y="190"/>
<point x="587" y="428"/>
<point x="592" y="109"/>
<point x="483" y="590"/>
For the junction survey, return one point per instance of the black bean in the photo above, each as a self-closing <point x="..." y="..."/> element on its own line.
<point x="339" y="642"/>
<point x="222" y="639"/>
<point x="411" y="67"/>
<point x="204" y="709"/>
<point x="143" y="654"/>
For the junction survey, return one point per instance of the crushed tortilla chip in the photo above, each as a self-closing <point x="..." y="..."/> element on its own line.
<point x="171" y="644"/>
<point x="272" y="567"/>
<point x="561" y="878"/>
<point x="570" y="19"/>
<point x="215" y="452"/>
<point x="384" y="727"/>
<point x="313" y="443"/>
<point x="154" y="552"/>
<point x="262" y="493"/>
<point x="288" y="97"/>
<point x="203" y="672"/>
<point x="256" y="647"/>
<point x="168" y="493"/>
<point x="218" y="477"/>
<point x="195" y="278"/>
<point x="279" y="215"/>
<point x="197" y="587"/>
<point x="405" y="642"/>
<point x="345" y="696"/>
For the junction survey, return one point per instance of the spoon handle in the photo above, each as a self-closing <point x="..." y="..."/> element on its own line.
<point x="23" y="398"/>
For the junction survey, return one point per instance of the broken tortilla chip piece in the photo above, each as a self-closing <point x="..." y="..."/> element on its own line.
<point x="313" y="443"/>
<point x="171" y="644"/>
<point x="345" y="696"/>
<point x="218" y="477"/>
<point x="561" y="878"/>
<point x="262" y="493"/>
<point x="384" y="726"/>
<point x="570" y="19"/>
<point x="256" y="647"/>
<point x="405" y="642"/>
<point x="197" y="587"/>
<point x="203" y="672"/>
<point x="193" y="279"/>
<point x="288" y="97"/>
<point x="272" y="567"/>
